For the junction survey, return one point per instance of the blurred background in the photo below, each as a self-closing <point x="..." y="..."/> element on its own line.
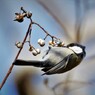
<point x="69" y="20"/>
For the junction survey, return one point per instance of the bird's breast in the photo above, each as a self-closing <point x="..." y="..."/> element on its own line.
<point x="57" y="54"/>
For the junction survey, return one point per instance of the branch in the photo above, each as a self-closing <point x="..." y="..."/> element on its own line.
<point x="44" y="30"/>
<point x="11" y="67"/>
<point x="20" y="18"/>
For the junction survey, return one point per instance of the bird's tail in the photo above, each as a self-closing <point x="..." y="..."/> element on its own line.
<point x="29" y="63"/>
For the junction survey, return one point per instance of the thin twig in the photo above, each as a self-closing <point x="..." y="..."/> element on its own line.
<point x="11" y="67"/>
<point x="44" y="30"/>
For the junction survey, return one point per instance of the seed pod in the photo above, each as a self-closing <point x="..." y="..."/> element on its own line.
<point x="18" y="44"/>
<point x="41" y="42"/>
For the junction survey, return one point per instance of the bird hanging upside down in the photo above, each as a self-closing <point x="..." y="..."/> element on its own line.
<point x="57" y="59"/>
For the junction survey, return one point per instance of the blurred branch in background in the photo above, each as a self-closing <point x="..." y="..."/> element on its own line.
<point x="91" y="58"/>
<point x="72" y="85"/>
<point x="23" y="81"/>
<point x="25" y="85"/>
<point x="80" y="17"/>
<point x="56" y="18"/>
<point x="78" y="24"/>
<point x="78" y="20"/>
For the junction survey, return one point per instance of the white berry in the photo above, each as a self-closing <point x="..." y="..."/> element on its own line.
<point x="50" y="42"/>
<point x="41" y="42"/>
<point x="38" y="51"/>
<point x="34" y="52"/>
<point x="18" y="44"/>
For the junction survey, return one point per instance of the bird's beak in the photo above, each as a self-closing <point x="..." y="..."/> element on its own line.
<point x="84" y="47"/>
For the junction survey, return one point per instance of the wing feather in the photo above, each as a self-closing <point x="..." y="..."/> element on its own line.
<point x="61" y="65"/>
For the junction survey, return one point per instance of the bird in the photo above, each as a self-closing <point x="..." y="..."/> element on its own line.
<point x="57" y="60"/>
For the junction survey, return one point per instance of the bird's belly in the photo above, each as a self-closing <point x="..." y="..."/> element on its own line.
<point x="58" y="55"/>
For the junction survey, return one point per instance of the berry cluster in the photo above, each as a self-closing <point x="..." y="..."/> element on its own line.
<point x="54" y="42"/>
<point x="41" y="42"/>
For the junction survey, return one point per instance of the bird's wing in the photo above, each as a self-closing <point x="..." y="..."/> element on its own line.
<point x="62" y="64"/>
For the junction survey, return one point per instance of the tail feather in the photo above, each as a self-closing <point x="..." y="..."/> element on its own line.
<point x="29" y="63"/>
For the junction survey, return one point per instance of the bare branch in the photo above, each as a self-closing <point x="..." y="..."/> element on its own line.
<point x="44" y="30"/>
<point x="11" y="67"/>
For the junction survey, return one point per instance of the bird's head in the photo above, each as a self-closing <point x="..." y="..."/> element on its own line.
<point x="77" y="49"/>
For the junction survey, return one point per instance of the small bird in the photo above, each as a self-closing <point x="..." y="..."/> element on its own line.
<point x="57" y="59"/>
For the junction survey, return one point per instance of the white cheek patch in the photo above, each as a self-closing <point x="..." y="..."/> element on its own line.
<point x="76" y="49"/>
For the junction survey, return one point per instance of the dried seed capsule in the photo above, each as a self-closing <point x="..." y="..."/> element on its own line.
<point x="41" y="42"/>
<point x="19" y="17"/>
<point x="18" y="44"/>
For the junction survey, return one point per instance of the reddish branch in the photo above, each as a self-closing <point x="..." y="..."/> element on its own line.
<point x="11" y="67"/>
<point x="44" y="30"/>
